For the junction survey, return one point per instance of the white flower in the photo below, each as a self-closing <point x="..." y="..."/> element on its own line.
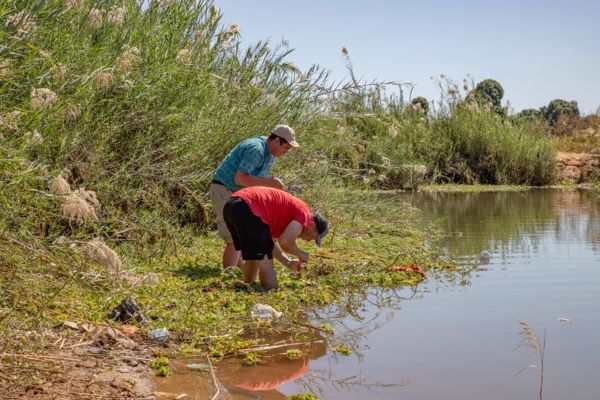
<point x="42" y="98"/>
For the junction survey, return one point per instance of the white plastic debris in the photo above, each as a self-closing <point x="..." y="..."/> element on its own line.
<point x="160" y="334"/>
<point x="265" y="312"/>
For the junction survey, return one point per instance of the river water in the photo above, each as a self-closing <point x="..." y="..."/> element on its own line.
<point x="458" y="338"/>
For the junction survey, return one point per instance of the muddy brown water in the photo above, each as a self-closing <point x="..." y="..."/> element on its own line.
<point x="457" y="338"/>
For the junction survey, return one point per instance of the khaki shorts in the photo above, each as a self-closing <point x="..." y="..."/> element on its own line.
<point x="219" y="195"/>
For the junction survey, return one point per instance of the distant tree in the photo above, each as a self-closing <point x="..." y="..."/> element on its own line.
<point x="420" y="105"/>
<point x="557" y="108"/>
<point x="489" y="93"/>
<point x="529" y="114"/>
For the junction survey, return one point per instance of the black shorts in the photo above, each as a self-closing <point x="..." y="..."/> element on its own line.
<point x="249" y="233"/>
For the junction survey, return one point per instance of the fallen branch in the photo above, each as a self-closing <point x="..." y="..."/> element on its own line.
<point x="262" y="348"/>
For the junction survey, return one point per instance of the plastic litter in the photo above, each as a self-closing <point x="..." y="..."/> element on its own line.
<point x="126" y="311"/>
<point x="159" y="334"/>
<point x="265" y="312"/>
<point x="72" y="325"/>
<point x="199" y="366"/>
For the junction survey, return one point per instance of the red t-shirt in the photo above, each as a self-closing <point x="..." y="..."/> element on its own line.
<point x="275" y="208"/>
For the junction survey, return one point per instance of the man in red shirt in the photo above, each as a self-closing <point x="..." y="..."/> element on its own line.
<point x="257" y="216"/>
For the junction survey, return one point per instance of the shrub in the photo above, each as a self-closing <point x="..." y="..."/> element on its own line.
<point x="489" y="93"/>
<point x="420" y="105"/>
<point x="557" y="108"/>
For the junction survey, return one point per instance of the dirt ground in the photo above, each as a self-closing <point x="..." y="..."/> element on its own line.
<point x="577" y="167"/>
<point x="79" y="362"/>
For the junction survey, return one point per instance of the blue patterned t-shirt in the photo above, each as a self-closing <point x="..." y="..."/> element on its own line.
<point x="250" y="156"/>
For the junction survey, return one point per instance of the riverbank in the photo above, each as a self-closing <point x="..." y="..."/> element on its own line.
<point x="179" y="285"/>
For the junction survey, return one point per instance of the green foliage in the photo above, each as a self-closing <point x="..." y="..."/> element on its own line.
<point x="159" y="362"/>
<point x="420" y="105"/>
<point x="303" y="396"/>
<point x="163" y="371"/>
<point x="557" y="108"/>
<point x="161" y="365"/>
<point x="342" y="349"/>
<point x="489" y="93"/>
<point x="529" y="114"/>
<point x="294" y="354"/>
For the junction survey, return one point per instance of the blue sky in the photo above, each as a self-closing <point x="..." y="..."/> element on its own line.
<point x="537" y="50"/>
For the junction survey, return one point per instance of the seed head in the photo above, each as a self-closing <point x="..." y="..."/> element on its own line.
<point x="33" y="138"/>
<point x="345" y="51"/>
<point x="71" y="113"/>
<point x="234" y="29"/>
<point x="70" y="4"/>
<point x="59" y="186"/>
<point x="42" y="98"/>
<point x="98" y="252"/>
<point x="94" y="19"/>
<point x="6" y="69"/>
<point x="182" y="55"/>
<point x="116" y="16"/>
<point x="105" y="80"/>
<point x="22" y="22"/>
<point x="129" y="59"/>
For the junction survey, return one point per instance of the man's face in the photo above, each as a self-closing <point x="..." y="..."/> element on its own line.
<point x="277" y="148"/>
<point x="309" y="234"/>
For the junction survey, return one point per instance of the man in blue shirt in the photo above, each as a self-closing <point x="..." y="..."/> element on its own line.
<point x="248" y="164"/>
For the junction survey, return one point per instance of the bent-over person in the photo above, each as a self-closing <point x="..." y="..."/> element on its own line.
<point x="264" y="223"/>
<point x="248" y="164"/>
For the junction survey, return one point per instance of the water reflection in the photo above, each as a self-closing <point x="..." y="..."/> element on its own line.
<point x="453" y="336"/>
<point x="512" y="222"/>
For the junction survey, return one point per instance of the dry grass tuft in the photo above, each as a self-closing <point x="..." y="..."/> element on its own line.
<point x="130" y="59"/>
<point x="71" y="113"/>
<point x="97" y="251"/>
<point x="22" y="22"/>
<point x="116" y="16"/>
<point x="182" y="56"/>
<point x="59" y="186"/>
<point x="105" y="80"/>
<point x="89" y="196"/>
<point x="94" y="19"/>
<point x="79" y="206"/>
<point x="42" y="98"/>
<point x="6" y="71"/>
<point x="33" y="138"/>
<point x="11" y="120"/>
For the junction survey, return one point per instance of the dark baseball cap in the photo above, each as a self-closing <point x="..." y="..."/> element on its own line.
<point x="322" y="227"/>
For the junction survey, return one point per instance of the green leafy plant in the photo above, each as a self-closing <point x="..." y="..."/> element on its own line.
<point x="294" y="354"/>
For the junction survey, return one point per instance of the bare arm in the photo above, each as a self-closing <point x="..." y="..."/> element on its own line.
<point x="287" y="241"/>
<point x="245" y="180"/>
